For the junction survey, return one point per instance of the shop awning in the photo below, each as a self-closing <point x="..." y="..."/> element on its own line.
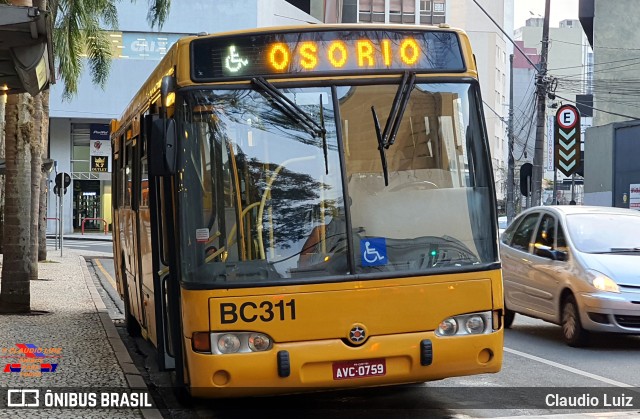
<point x="26" y="53"/>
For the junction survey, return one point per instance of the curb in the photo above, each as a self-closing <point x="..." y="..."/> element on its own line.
<point x="131" y="373"/>
<point x="74" y="237"/>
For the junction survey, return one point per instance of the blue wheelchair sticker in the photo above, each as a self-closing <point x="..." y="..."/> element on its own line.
<point x="374" y="251"/>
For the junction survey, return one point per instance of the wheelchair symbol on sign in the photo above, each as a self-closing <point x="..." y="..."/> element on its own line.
<point x="370" y="254"/>
<point x="233" y="61"/>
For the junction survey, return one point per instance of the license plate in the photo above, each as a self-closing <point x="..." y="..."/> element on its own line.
<point x="359" y="369"/>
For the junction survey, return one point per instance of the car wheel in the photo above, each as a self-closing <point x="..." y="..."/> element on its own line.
<point x="572" y="330"/>
<point x="508" y="317"/>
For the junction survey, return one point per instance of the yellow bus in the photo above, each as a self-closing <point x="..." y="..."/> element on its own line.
<point x="310" y="207"/>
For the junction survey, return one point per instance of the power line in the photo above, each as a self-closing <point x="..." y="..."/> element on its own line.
<point x="494" y="111"/>
<point x="505" y="34"/>
<point x="595" y="64"/>
<point x="600" y="110"/>
<point x="575" y="43"/>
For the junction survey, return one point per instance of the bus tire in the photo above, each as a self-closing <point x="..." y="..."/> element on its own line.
<point x="132" y="325"/>
<point x="509" y="315"/>
<point x="181" y="392"/>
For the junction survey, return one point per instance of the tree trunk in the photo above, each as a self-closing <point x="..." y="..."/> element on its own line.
<point x="15" y="291"/>
<point x="44" y="184"/>
<point x="36" y="176"/>
<point x="3" y="106"/>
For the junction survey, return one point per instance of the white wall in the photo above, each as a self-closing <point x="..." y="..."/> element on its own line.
<point x="60" y="135"/>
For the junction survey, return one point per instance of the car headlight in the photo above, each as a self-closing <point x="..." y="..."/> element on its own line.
<point x="602" y="282"/>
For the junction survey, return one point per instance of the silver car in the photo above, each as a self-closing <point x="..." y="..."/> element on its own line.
<point x="576" y="266"/>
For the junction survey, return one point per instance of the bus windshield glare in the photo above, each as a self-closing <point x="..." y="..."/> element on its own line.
<point x="275" y="183"/>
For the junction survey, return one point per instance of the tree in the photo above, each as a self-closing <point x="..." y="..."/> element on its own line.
<point x="15" y="296"/>
<point x="77" y="30"/>
<point x="3" y="105"/>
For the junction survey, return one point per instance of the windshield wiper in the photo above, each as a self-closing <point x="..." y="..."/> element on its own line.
<point x="397" y="110"/>
<point x="324" y="137"/>
<point x="383" y="156"/>
<point x="388" y="136"/>
<point x="296" y="113"/>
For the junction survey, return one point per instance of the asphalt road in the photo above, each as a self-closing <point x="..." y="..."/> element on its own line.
<point x="82" y="245"/>
<point x="538" y="369"/>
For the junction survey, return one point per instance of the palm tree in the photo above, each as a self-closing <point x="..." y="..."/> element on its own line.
<point x="15" y="296"/>
<point x="77" y="31"/>
<point x="3" y="106"/>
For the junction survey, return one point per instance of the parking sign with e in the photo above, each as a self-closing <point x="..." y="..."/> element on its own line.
<point x="567" y="117"/>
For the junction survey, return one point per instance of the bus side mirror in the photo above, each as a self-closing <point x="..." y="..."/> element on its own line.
<point x="162" y="148"/>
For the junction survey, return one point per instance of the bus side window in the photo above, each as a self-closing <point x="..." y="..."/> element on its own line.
<point x="121" y="175"/>
<point x="115" y="173"/>
<point x="144" y="180"/>
<point x="128" y="175"/>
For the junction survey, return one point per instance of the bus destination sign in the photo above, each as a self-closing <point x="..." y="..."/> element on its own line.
<point x="344" y="52"/>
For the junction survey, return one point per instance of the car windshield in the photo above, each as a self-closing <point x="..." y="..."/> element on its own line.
<point x="604" y="233"/>
<point x="264" y="174"/>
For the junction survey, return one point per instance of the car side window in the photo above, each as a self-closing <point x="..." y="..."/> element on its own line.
<point x="522" y="235"/>
<point x="561" y="242"/>
<point x="546" y="232"/>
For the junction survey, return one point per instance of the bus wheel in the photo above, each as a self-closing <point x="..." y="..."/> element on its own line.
<point x="181" y="392"/>
<point x="508" y="317"/>
<point x="572" y="331"/>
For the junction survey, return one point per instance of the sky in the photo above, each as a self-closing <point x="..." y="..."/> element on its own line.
<point x="560" y="10"/>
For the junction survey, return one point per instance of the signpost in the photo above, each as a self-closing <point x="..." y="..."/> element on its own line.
<point x="567" y="139"/>
<point x="567" y="145"/>
<point x="63" y="180"/>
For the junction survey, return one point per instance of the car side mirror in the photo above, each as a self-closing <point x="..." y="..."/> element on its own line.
<point x="560" y="255"/>
<point x="549" y="253"/>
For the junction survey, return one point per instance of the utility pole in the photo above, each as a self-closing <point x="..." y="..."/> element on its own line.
<point x="511" y="211"/>
<point x="541" y="83"/>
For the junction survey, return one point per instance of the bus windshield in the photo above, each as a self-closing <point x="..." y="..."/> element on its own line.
<point x="273" y="191"/>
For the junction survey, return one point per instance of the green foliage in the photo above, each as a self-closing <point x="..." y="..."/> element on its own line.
<point x="158" y="12"/>
<point x="79" y="34"/>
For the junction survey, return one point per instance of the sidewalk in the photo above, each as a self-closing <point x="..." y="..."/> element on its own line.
<point x="88" y="235"/>
<point x="76" y="333"/>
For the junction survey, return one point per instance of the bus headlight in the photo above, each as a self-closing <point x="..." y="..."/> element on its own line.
<point x="240" y="342"/>
<point x="228" y="343"/>
<point x="259" y="342"/>
<point x="448" y="327"/>
<point x="474" y="325"/>
<point x="465" y="324"/>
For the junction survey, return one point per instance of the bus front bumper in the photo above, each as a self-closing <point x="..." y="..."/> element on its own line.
<point x="331" y="364"/>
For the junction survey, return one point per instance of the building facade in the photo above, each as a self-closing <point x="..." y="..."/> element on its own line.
<point x="79" y="142"/>
<point x="611" y="146"/>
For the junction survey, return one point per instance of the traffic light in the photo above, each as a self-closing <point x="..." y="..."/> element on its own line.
<point x="526" y="170"/>
<point x="62" y="180"/>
